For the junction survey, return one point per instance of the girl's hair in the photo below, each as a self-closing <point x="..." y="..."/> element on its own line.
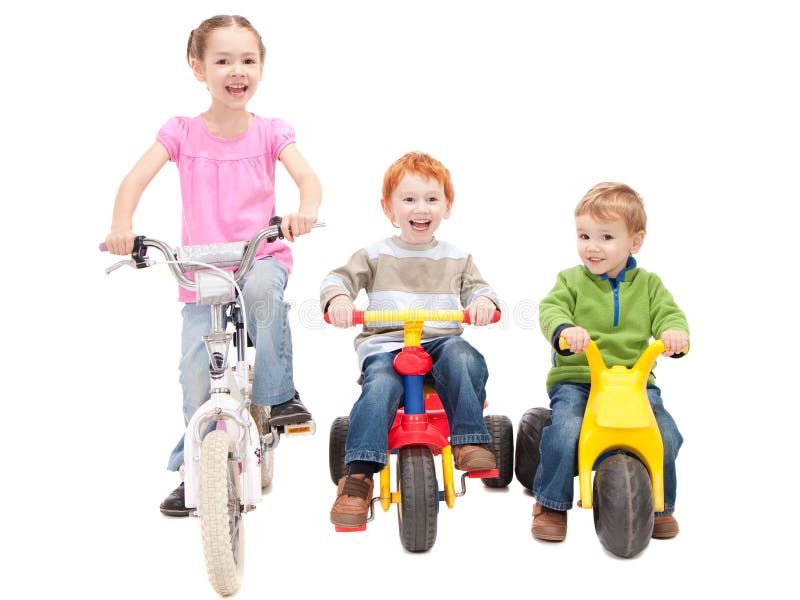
<point x="196" y="47"/>
<point x="609" y="200"/>
<point x="421" y="164"/>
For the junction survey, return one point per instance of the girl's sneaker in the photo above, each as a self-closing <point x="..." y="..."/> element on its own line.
<point x="290" y="412"/>
<point x="173" y="505"/>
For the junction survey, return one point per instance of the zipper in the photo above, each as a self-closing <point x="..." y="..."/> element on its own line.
<point x="615" y="288"/>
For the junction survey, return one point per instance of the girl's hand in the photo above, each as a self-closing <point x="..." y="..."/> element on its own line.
<point x="120" y="242"/>
<point x="340" y="311"/>
<point x="577" y="338"/>
<point x="675" y="342"/>
<point x="298" y="223"/>
<point x="481" y="310"/>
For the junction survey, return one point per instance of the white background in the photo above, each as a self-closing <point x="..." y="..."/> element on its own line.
<point x="694" y="104"/>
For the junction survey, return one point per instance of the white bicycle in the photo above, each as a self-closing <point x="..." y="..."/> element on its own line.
<point x="229" y="444"/>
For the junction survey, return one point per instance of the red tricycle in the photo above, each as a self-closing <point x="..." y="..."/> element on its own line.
<point x="419" y="432"/>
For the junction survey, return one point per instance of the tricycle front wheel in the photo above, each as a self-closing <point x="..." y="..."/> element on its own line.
<point x="418" y="509"/>
<point x="622" y="502"/>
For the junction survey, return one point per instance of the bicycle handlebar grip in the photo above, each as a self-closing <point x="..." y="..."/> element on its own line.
<point x="102" y="247"/>
<point x="276" y="220"/>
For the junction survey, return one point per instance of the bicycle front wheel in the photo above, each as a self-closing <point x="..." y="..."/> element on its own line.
<point x="220" y="511"/>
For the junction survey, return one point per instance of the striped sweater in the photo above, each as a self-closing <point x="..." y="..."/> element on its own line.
<point x="396" y="276"/>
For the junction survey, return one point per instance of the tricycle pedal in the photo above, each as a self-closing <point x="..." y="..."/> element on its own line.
<point x="341" y="529"/>
<point x="483" y="473"/>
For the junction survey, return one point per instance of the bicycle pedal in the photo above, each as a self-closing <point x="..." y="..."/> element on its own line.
<point x="306" y="428"/>
<point x="483" y="474"/>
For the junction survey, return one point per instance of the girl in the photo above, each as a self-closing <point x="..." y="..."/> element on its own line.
<point x="226" y="162"/>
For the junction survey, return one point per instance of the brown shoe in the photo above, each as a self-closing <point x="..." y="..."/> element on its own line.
<point x="665" y="527"/>
<point x="548" y="524"/>
<point x="353" y="497"/>
<point x="468" y="457"/>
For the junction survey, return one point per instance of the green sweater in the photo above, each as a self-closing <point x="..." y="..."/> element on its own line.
<point x="621" y="317"/>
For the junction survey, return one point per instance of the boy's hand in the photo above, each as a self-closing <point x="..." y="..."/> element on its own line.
<point x="481" y="310"/>
<point x="577" y="338"/>
<point x="675" y="342"/>
<point x="120" y="242"/>
<point x="298" y="223"/>
<point x="340" y="311"/>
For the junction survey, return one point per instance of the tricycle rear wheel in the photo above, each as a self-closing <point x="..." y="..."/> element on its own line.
<point x="502" y="446"/>
<point x="336" y="448"/>
<point x="529" y="438"/>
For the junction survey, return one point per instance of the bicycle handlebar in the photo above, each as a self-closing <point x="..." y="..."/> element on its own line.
<point x="141" y="243"/>
<point x="417" y="315"/>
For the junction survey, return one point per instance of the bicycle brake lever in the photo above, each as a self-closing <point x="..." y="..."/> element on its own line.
<point x="128" y="262"/>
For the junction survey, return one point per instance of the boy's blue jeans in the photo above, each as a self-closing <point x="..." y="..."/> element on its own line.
<point x="458" y="375"/>
<point x="268" y="327"/>
<point x="553" y="483"/>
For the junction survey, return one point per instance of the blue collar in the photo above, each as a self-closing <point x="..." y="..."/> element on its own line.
<point x="631" y="264"/>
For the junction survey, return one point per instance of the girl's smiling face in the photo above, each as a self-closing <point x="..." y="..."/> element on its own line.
<point x="417" y="206"/>
<point x="231" y="66"/>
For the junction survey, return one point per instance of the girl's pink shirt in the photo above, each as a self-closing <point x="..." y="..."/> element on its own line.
<point x="227" y="184"/>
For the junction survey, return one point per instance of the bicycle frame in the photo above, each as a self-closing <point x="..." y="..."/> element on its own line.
<point x="228" y="406"/>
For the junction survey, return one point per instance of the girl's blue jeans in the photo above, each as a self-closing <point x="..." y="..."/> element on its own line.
<point x="458" y="375"/>
<point x="553" y="482"/>
<point x="268" y="327"/>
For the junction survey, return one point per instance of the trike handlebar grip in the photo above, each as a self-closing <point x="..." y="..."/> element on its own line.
<point x="495" y="317"/>
<point x="358" y="317"/>
<point x="657" y="345"/>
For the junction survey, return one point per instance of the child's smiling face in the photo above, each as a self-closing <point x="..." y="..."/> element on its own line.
<point x="417" y="206"/>
<point x="604" y="246"/>
<point x="231" y="66"/>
